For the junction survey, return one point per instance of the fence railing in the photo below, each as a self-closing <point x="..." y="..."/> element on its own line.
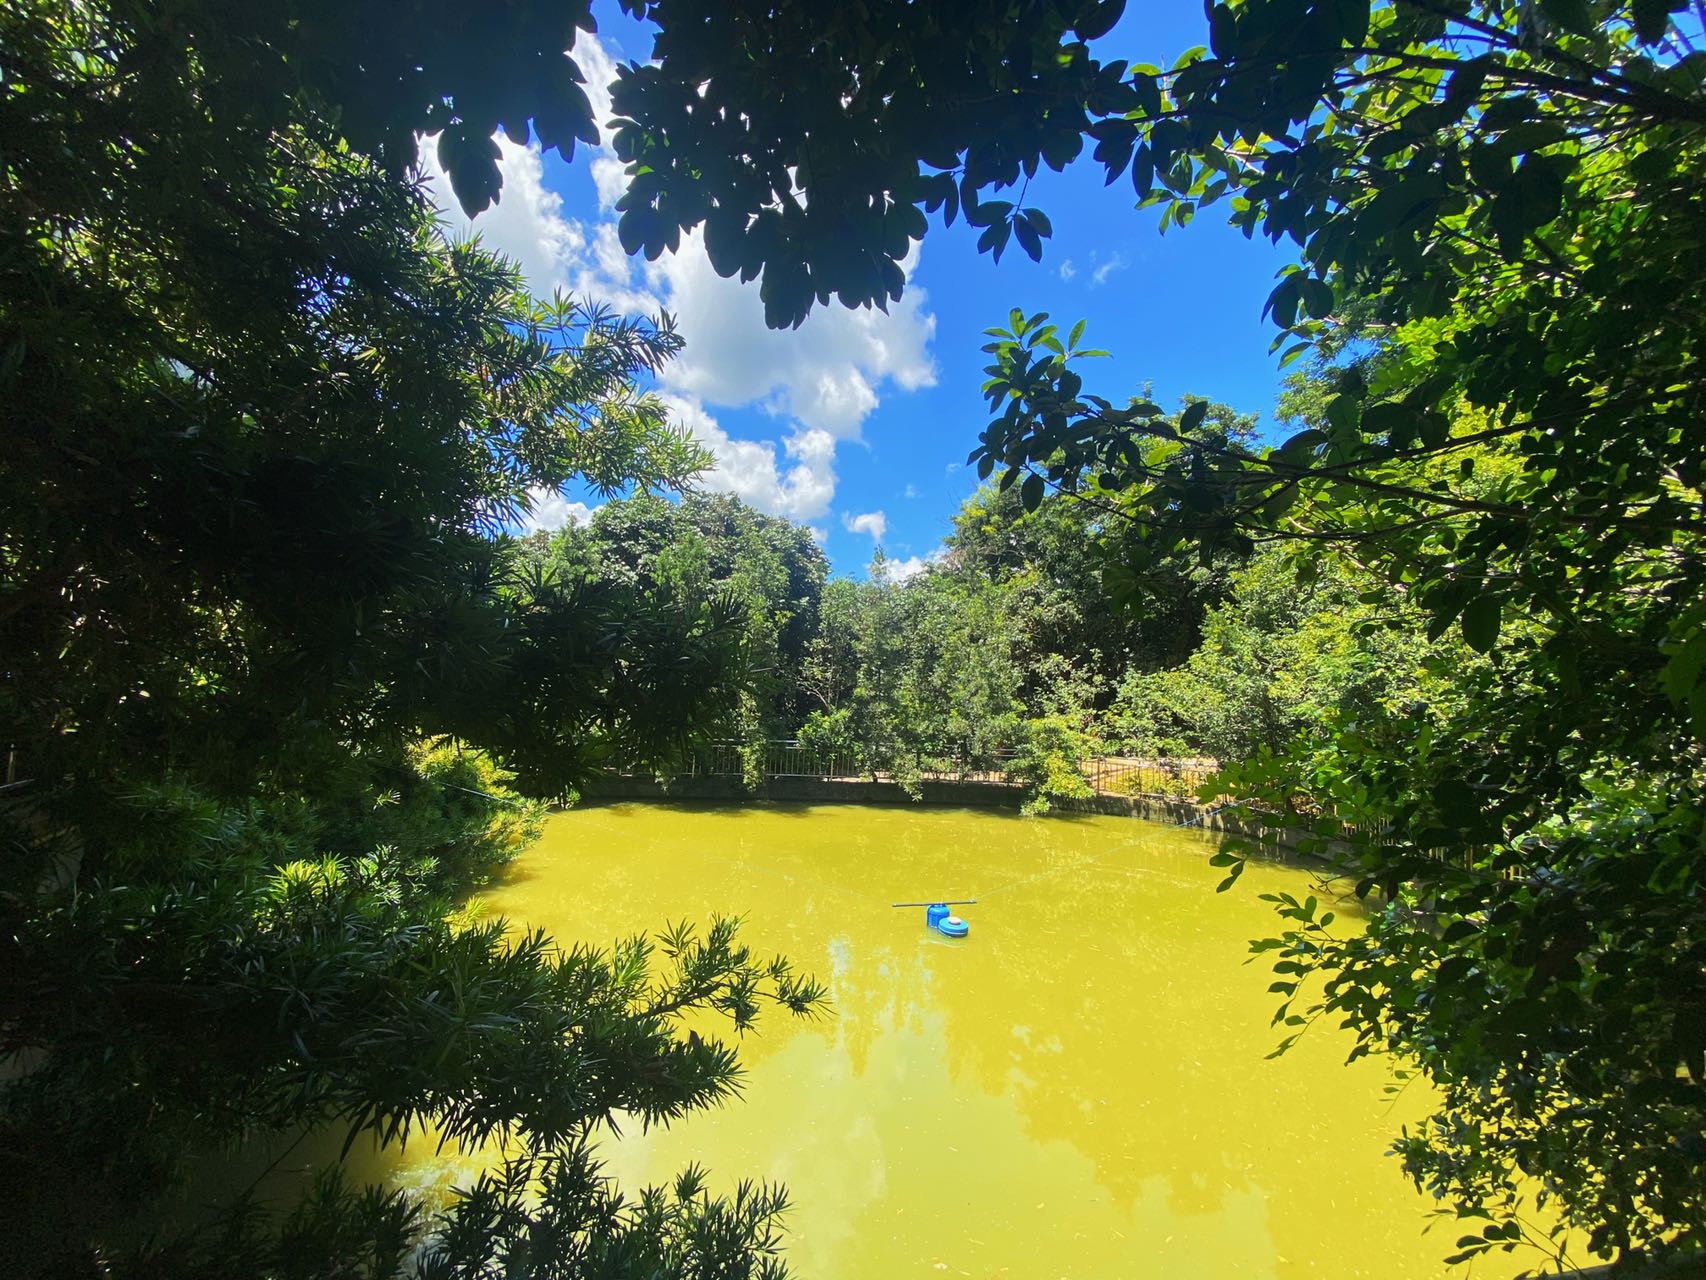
<point x="1148" y="775"/>
<point x="787" y="758"/>
<point x="781" y="759"/>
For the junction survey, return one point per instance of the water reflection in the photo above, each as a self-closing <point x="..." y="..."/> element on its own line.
<point x="1079" y="1088"/>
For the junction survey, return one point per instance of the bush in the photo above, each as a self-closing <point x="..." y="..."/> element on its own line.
<point x="1047" y="762"/>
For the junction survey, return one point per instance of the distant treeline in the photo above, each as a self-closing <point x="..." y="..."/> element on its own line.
<point x="1018" y="643"/>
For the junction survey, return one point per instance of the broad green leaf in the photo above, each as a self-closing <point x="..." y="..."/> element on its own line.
<point x="1031" y="492"/>
<point x="1480" y="623"/>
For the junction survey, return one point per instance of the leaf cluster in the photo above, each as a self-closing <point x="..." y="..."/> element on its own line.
<point x="265" y="426"/>
<point x="1499" y="195"/>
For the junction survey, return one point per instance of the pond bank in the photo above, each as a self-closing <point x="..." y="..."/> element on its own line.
<point x="970" y="795"/>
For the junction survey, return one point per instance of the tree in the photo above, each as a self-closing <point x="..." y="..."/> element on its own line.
<point x="263" y="426"/>
<point x="1278" y="660"/>
<point x="916" y="674"/>
<point x="795" y="134"/>
<point x="708" y="547"/>
<point x="1061" y="556"/>
<point x="802" y="138"/>
<point x="1507" y="189"/>
<point x="1507" y="186"/>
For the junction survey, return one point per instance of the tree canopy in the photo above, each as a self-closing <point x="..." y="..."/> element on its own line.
<point x="264" y="427"/>
<point x="706" y="548"/>
<point x="1505" y="429"/>
<point x="265" y="423"/>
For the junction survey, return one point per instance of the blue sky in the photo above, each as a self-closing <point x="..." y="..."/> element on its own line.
<point x="858" y="424"/>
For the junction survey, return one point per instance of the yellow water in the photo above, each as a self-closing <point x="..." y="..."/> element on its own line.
<point x="1077" y="1089"/>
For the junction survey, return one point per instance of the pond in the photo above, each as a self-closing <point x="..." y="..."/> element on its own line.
<point x="1078" y="1088"/>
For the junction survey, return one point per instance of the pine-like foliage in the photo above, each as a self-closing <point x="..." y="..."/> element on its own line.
<point x="262" y="426"/>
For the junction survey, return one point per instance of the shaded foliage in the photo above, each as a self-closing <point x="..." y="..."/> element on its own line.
<point x="1506" y="190"/>
<point x="812" y="141"/>
<point x="710" y="548"/>
<point x="264" y="426"/>
<point x="1278" y="661"/>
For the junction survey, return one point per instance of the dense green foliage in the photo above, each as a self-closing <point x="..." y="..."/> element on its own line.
<point x="1278" y="660"/>
<point x="1507" y="190"/>
<point x="1001" y="655"/>
<point x="709" y="549"/>
<point x="1508" y="194"/>
<point x="1005" y="656"/>
<point x="263" y="423"/>
<point x="798" y="133"/>
<point x="910" y="674"/>
<point x="793" y="132"/>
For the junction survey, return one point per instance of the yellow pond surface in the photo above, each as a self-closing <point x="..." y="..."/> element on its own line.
<point x="1078" y="1088"/>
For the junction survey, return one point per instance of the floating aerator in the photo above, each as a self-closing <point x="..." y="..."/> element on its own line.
<point x="937" y="917"/>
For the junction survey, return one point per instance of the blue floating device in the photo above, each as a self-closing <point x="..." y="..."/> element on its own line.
<point x="937" y="917"/>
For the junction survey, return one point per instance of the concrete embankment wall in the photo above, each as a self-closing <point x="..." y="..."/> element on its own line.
<point x="975" y="795"/>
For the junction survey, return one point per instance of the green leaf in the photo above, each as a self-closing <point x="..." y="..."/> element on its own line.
<point x="1299" y="446"/>
<point x="1031" y="492"/>
<point x="1682" y="671"/>
<point x="1283" y="302"/>
<point x="1028" y="239"/>
<point x="1147" y="90"/>
<point x="1652" y="17"/>
<point x="1540" y="190"/>
<point x="1222" y="31"/>
<point x="1143" y="172"/>
<point x="1455" y="800"/>
<point x="1343" y="413"/>
<point x="1572" y="15"/>
<point x="1317" y="298"/>
<point x="1099" y="19"/>
<point x="1193" y="415"/>
<point x="1480" y="623"/>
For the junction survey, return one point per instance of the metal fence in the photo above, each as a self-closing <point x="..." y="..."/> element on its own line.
<point x="1148" y="775"/>
<point x="1115" y="775"/>
<point x="780" y="759"/>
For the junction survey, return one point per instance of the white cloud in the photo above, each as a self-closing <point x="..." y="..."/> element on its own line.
<point x="911" y="567"/>
<point x="610" y="178"/>
<point x="826" y="374"/>
<point x="549" y="510"/>
<point x="609" y="175"/>
<point x="823" y="380"/>
<point x="911" y="491"/>
<point x="801" y="489"/>
<point x="1067" y="270"/>
<point x="526" y="224"/>
<point x="608" y="275"/>
<point x="1119" y="262"/>
<point x="599" y="68"/>
<point x="874" y="523"/>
